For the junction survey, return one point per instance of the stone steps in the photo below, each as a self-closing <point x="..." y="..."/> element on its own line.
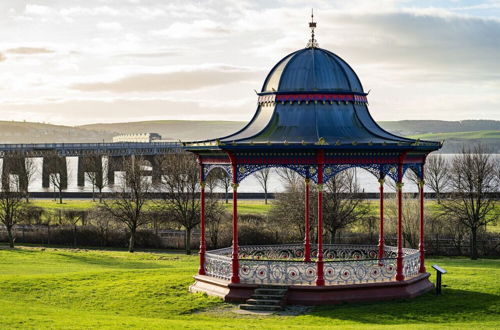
<point x="266" y="298"/>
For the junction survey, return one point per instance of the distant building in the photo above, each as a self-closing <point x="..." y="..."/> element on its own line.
<point x="142" y="137"/>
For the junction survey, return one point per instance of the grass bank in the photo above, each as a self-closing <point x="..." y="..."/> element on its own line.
<point x="59" y="288"/>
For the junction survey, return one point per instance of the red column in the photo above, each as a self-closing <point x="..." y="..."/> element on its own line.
<point x="320" y="279"/>
<point x="381" y="240"/>
<point x="235" y="275"/>
<point x="421" y="245"/>
<point x="307" y="240"/>
<point x="399" y="258"/>
<point x="201" y="271"/>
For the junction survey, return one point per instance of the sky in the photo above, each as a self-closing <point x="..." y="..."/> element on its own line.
<point x="79" y="62"/>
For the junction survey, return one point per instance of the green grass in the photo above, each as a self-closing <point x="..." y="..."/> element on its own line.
<point x="58" y="288"/>
<point x="75" y="204"/>
<point x="250" y="206"/>
<point x="485" y="134"/>
<point x="244" y="207"/>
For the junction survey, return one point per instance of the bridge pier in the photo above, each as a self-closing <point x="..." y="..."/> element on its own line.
<point x="54" y="164"/>
<point x="89" y="164"/>
<point x="115" y="163"/>
<point x="15" y="164"/>
<point x="156" y="171"/>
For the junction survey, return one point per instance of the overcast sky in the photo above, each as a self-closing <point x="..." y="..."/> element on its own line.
<point x="78" y="62"/>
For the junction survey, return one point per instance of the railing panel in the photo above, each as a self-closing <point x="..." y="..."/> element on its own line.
<point x="282" y="264"/>
<point x="359" y="271"/>
<point x="277" y="272"/>
<point x="218" y="266"/>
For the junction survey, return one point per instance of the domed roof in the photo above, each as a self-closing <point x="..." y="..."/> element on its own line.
<point x="312" y="69"/>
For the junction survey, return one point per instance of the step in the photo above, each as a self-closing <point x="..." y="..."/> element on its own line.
<point x="260" y="307"/>
<point x="267" y="296"/>
<point x="272" y="286"/>
<point x="270" y="291"/>
<point x="264" y="302"/>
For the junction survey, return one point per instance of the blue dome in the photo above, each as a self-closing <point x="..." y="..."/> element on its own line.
<point x="312" y="69"/>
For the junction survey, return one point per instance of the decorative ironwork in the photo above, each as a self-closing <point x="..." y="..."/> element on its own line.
<point x="306" y="171"/>
<point x="313" y="43"/>
<point x="277" y="272"/>
<point x="359" y="271"/>
<point x="415" y="167"/>
<point x="411" y="263"/>
<point x="282" y="264"/>
<point x="207" y="168"/>
<point x="218" y="264"/>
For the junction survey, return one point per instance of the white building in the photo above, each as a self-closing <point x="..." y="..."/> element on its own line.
<point x="142" y="137"/>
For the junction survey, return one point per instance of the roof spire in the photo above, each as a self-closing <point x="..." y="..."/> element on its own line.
<point x="312" y="25"/>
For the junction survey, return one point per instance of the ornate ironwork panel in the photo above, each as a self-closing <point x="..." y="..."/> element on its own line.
<point x="277" y="272"/>
<point x="282" y="264"/>
<point x="415" y="167"/>
<point x="359" y="271"/>
<point x="306" y="171"/>
<point x="218" y="263"/>
<point x="411" y="263"/>
<point x="207" y="168"/>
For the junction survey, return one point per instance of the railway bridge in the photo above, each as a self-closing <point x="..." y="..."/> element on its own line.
<point x="90" y="159"/>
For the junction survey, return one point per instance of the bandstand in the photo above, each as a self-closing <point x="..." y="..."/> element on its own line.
<point x="312" y="117"/>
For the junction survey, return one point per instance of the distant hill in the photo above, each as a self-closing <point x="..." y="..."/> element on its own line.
<point x="172" y="129"/>
<point x="26" y="132"/>
<point x="455" y="133"/>
<point x="415" y="127"/>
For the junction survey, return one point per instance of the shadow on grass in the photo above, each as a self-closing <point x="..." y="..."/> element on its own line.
<point x="453" y="306"/>
<point x="109" y="262"/>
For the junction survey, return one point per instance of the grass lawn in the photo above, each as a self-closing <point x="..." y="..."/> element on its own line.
<point x="244" y="206"/>
<point x="58" y="288"/>
<point x="485" y="134"/>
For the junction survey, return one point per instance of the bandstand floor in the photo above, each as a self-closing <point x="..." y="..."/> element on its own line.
<point x="320" y="295"/>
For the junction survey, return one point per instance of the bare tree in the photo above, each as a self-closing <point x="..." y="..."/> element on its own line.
<point x="31" y="172"/>
<point x="73" y="217"/>
<point x="225" y="181"/>
<point x="342" y="205"/>
<point x="95" y="174"/>
<point x="213" y="181"/>
<point x="410" y="219"/>
<point x="180" y="187"/>
<point x="104" y="224"/>
<point x="126" y="205"/>
<point x="472" y="178"/>
<point x="262" y="177"/>
<point x="290" y="178"/>
<point x="11" y="206"/>
<point x="58" y="172"/>
<point x="436" y="174"/>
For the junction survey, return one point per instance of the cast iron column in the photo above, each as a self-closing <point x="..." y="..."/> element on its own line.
<point x="399" y="258"/>
<point x="201" y="271"/>
<point x="320" y="279"/>
<point x="421" y="245"/>
<point x="235" y="275"/>
<point x="381" y="240"/>
<point x="307" y="240"/>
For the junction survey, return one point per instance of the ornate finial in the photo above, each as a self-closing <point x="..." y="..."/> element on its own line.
<point x="312" y="25"/>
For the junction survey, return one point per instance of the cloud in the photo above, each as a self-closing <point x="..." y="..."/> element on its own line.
<point x="436" y="44"/>
<point x="196" y="29"/>
<point x="29" y="50"/>
<point x="37" y="10"/>
<point x="109" y="26"/>
<point x="171" y="81"/>
<point x="92" y="111"/>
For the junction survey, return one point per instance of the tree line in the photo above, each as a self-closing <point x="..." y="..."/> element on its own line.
<point x="465" y="214"/>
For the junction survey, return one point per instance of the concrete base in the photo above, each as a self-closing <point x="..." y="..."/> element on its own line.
<point x="319" y="295"/>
